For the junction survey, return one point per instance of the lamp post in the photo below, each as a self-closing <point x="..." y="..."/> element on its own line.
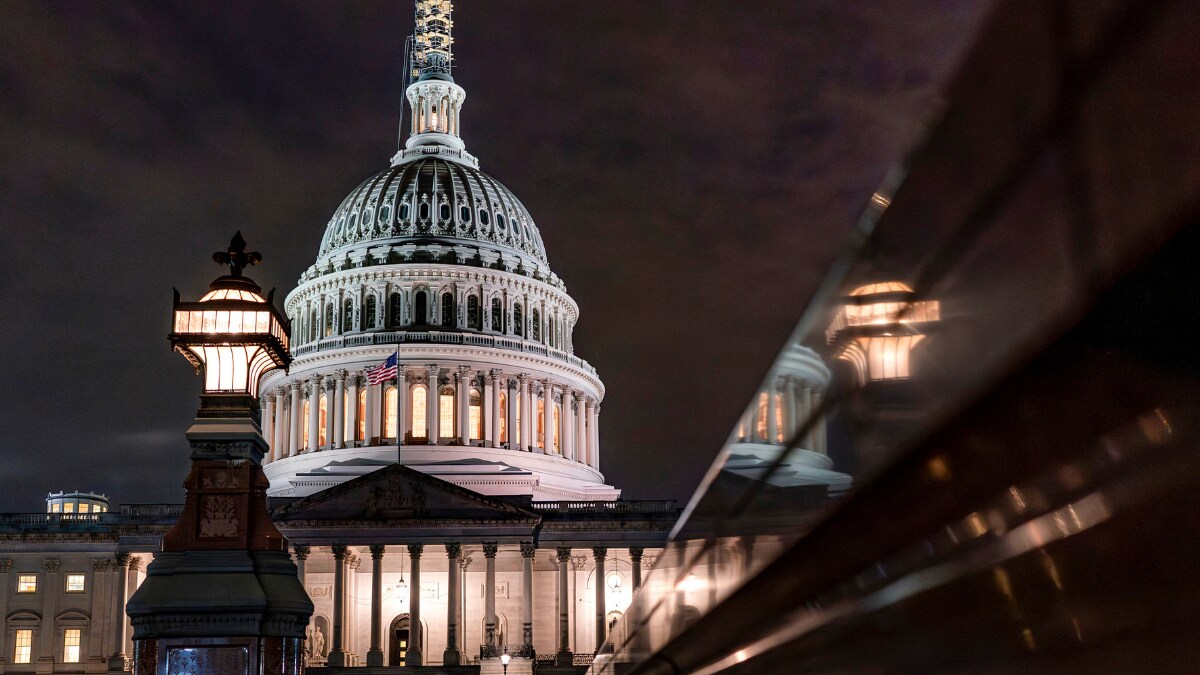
<point x="224" y="592"/>
<point x="504" y="659"/>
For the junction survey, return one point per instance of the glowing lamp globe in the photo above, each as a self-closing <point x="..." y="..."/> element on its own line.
<point x="232" y="335"/>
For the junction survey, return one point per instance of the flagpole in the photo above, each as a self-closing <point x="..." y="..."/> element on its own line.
<point x="399" y="402"/>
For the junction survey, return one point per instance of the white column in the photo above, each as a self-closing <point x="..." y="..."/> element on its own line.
<point x="337" y="650"/>
<point x="487" y="412"/>
<point x="431" y="404"/>
<point x="581" y="454"/>
<point x="464" y="405"/>
<point x="547" y="417"/>
<point x="332" y="387"/>
<point x="451" y="657"/>
<point x="806" y="409"/>
<point x="772" y="407"/>
<point x="352" y="417"/>
<point x="568" y="424"/>
<point x="594" y="453"/>
<point x="489" y="592"/>
<point x="599" y="553"/>
<point x="117" y="660"/>
<point x="279" y="437"/>
<point x="375" y="653"/>
<point x="371" y="423"/>
<point x="527" y="553"/>
<point x="294" y="443"/>
<point x="564" y="607"/>
<point x="414" y="657"/>
<point x="338" y="411"/>
<point x="526" y="416"/>
<point x="513" y="441"/>
<point x="268" y="427"/>
<point x="314" y="413"/>
<point x="789" y="408"/>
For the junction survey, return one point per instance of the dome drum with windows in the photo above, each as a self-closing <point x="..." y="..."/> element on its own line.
<point x="439" y="265"/>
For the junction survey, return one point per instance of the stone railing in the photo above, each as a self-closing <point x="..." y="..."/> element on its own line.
<point x="439" y="337"/>
<point x="632" y="506"/>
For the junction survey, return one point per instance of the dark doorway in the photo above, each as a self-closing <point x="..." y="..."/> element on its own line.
<point x="398" y="641"/>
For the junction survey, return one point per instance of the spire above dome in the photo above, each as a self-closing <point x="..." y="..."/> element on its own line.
<point x="433" y="97"/>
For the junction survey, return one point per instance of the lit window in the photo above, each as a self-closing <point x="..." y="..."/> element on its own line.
<point x="69" y="507"/>
<point x="418" y="412"/>
<point x="476" y="413"/>
<point x="24" y="649"/>
<point x="361" y="431"/>
<point x="27" y="583"/>
<point x="71" y="640"/>
<point x="503" y="417"/>
<point x="446" y="413"/>
<point x="541" y="424"/>
<point x="322" y="412"/>
<point x="84" y="508"/>
<point x="55" y="507"/>
<point x="389" y="412"/>
<point x="762" y="417"/>
<point x="779" y="419"/>
<point x="304" y="427"/>
<point x="75" y="583"/>
<point x="557" y="448"/>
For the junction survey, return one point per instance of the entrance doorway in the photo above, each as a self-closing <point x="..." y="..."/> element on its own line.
<point x="398" y="636"/>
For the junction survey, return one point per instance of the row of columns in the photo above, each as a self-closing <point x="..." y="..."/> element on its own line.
<point x="780" y="410"/>
<point x="501" y="425"/>
<point x="452" y="656"/>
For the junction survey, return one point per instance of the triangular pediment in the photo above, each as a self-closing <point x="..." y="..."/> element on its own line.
<point x="399" y="493"/>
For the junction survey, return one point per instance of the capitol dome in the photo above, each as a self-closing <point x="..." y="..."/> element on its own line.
<point x="428" y="206"/>
<point x="431" y="332"/>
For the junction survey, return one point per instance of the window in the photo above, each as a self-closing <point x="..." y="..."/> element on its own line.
<point x="347" y="316"/>
<point x="395" y="314"/>
<point x="464" y="213"/>
<point x="419" y="317"/>
<point x="557" y="447"/>
<point x="503" y="416"/>
<point x="541" y="424"/>
<point x="761" y="425"/>
<point x="446" y="412"/>
<point x="313" y="327"/>
<point x="71" y="639"/>
<point x="68" y="507"/>
<point x="550" y="331"/>
<point x="497" y="316"/>
<point x="447" y="310"/>
<point x="419" y="403"/>
<point x="328" y="320"/>
<point x="27" y="583"/>
<point x="55" y="507"/>
<point x="537" y="326"/>
<point x="24" y="649"/>
<point x="476" y="414"/>
<point x="304" y="427"/>
<point x="473" y="318"/>
<point x="369" y="319"/>
<point x="517" y="323"/>
<point x="444" y="213"/>
<point x="483" y="217"/>
<point x="84" y="508"/>
<point x="404" y="212"/>
<point x="360" y="433"/>
<point x="75" y="583"/>
<point x="389" y="413"/>
<point x="322" y="414"/>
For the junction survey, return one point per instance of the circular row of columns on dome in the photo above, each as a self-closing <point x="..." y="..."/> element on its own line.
<point x="780" y="410"/>
<point x="452" y="655"/>
<point x="565" y="421"/>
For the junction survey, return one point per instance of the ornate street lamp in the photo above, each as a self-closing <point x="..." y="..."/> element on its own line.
<point x="504" y="659"/>
<point x="223" y="594"/>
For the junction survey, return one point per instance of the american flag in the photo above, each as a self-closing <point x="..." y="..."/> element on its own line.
<point x="383" y="371"/>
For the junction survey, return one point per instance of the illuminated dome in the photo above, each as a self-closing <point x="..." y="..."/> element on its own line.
<point x="432" y="209"/>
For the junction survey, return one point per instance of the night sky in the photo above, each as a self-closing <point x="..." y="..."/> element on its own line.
<point x="692" y="166"/>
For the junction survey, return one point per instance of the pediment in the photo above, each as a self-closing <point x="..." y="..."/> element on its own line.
<point x="398" y="493"/>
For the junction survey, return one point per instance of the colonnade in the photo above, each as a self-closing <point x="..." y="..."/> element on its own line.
<point x="492" y="409"/>
<point x="780" y="409"/>
<point x="452" y="653"/>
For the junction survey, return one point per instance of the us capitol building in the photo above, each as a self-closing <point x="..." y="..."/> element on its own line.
<point x="444" y="512"/>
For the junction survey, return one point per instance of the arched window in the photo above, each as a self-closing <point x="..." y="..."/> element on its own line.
<point x="537" y="326"/>
<point x="497" y="316"/>
<point x="372" y="307"/>
<point x="314" y="326"/>
<point x="446" y="412"/>
<point x="360" y="433"/>
<point x="447" y="309"/>
<point x="417" y="414"/>
<point x="473" y="318"/>
<point x="389" y="413"/>
<point x="503" y="417"/>
<point x="347" y="315"/>
<point x="328" y="319"/>
<point x="420" y="316"/>
<point x="540" y="441"/>
<point x="517" y="322"/>
<point x="395" y="313"/>
<point x="304" y="427"/>
<point x="476" y="413"/>
<point x="322" y="412"/>
<point x="557" y="431"/>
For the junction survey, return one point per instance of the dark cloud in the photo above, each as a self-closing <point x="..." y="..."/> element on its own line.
<point x="693" y="166"/>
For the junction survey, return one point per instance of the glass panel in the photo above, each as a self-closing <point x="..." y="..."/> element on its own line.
<point x="75" y="582"/>
<point x="389" y="412"/>
<point x="24" y="645"/>
<point x="446" y="413"/>
<point x="419" y="404"/>
<point x="71" y="639"/>
<point x="27" y="583"/>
